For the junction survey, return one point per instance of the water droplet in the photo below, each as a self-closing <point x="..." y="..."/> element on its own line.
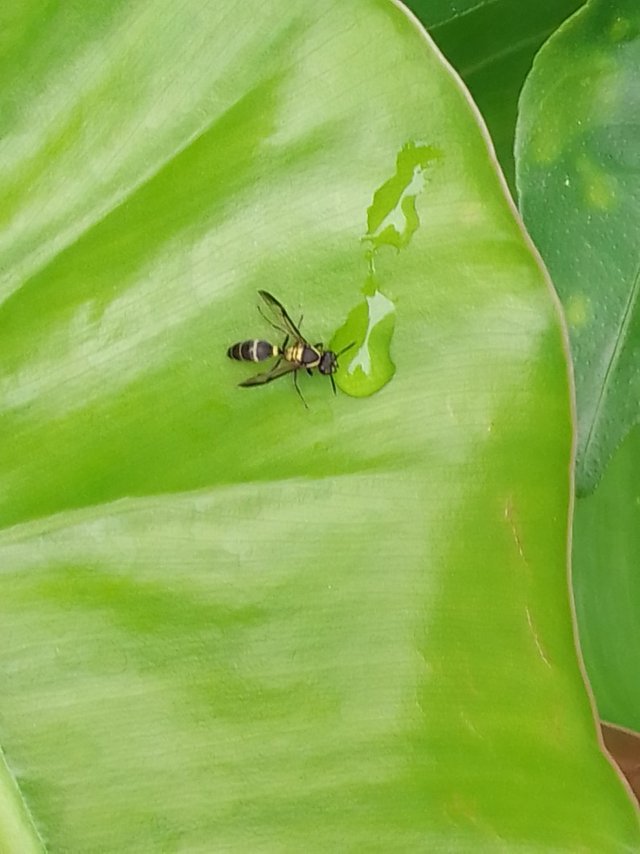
<point x="392" y="220"/>
<point x="392" y="217"/>
<point x="368" y="365"/>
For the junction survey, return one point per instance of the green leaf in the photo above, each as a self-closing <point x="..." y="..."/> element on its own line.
<point x="577" y="153"/>
<point x="492" y="45"/>
<point x="606" y="556"/>
<point x="227" y="621"/>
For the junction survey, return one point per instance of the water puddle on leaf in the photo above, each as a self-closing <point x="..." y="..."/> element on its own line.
<point x="369" y="327"/>
<point x="392" y="220"/>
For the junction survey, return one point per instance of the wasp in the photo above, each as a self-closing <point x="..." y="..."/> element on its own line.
<point x="294" y="354"/>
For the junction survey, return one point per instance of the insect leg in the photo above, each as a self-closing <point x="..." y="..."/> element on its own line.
<point x="280" y="356"/>
<point x="333" y="383"/>
<point x="295" y="382"/>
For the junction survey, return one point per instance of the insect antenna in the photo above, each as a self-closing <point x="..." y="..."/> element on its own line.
<point x="344" y="349"/>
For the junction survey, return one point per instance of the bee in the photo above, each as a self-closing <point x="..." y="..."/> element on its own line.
<point x="294" y="354"/>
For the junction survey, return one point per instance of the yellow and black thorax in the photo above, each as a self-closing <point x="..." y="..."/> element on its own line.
<point x="303" y="354"/>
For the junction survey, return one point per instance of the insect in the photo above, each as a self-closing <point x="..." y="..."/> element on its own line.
<point x="290" y="357"/>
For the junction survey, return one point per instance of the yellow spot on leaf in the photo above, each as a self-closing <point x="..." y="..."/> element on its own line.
<point x="599" y="188"/>
<point x="619" y="29"/>
<point x="578" y="310"/>
<point x="547" y="145"/>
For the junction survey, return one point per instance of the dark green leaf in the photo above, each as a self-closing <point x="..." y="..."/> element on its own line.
<point x="579" y="183"/>
<point x="491" y="45"/>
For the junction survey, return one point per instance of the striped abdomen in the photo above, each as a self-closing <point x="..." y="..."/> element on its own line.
<point x="252" y="351"/>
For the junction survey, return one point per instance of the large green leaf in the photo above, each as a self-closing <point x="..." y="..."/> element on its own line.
<point x="578" y="180"/>
<point x="492" y="46"/>
<point x="229" y="622"/>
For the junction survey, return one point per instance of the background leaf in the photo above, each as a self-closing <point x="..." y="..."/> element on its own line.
<point x="576" y="152"/>
<point x="578" y="180"/>
<point x="491" y="45"/>
<point x="227" y="621"/>
<point x="606" y="555"/>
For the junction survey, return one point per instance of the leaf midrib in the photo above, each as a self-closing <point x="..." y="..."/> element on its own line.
<point x="613" y="361"/>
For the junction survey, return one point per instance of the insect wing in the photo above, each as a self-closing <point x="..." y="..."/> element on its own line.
<point x="279" y="370"/>
<point x="280" y="316"/>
